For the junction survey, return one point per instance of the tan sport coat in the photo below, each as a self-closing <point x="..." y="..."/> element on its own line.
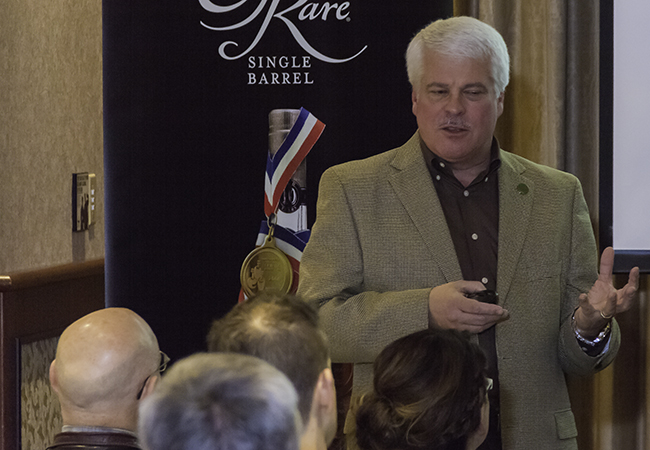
<point x="381" y="242"/>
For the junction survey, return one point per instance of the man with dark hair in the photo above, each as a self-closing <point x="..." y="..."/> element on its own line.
<point x="284" y="331"/>
<point x="221" y="401"/>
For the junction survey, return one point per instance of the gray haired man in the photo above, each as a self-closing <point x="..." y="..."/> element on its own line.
<point x="221" y="401"/>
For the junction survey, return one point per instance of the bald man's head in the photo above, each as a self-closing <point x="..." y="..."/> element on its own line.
<point x="102" y="361"/>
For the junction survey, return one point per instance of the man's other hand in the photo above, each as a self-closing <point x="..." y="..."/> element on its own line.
<point x="450" y="308"/>
<point x="603" y="301"/>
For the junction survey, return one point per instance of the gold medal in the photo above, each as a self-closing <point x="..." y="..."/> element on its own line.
<point x="266" y="268"/>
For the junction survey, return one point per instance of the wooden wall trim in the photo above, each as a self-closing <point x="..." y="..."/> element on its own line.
<point x="49" y="275"/>
<point x="36" y="305"/>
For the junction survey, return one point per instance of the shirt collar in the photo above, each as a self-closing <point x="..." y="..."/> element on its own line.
<point x="436" y="164"/>
<point x="90" y="429"/>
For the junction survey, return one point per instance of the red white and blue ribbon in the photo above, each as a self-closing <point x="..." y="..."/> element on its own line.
<point x="281" y="166"/>
<point x="290" y="242"/>
<point x="279" y="169"/>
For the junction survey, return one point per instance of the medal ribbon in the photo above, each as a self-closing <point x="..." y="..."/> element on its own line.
<point x="280" y="167"/>
<point x="290" y="242"/>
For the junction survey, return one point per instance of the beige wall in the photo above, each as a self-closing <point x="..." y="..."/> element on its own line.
<point x="50" y="127"/>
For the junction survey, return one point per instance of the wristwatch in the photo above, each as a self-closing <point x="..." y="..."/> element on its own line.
<point x="604" y="333"/>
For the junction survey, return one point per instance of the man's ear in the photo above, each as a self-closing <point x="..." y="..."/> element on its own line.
<point x="414" y="102"/>
<point x="54" y="382"/>
<point x="500" y="100"/>
<point x="325" y="387"/>
<point x="324" y="404"/>
<point x="149" y="386"/>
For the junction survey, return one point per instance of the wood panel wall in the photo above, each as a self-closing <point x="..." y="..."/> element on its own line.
<point x="36" y="305"/>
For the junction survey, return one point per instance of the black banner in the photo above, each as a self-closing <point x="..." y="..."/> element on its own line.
<point x="188" y="86"/>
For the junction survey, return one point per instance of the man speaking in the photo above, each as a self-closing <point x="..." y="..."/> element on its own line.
<point x="404" y="238"/>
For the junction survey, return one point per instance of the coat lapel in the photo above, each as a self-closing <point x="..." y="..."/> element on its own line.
<point x="516" y="195"/>
<point x="414" y="188"/>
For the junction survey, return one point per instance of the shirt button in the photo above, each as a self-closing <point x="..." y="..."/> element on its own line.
<point x="442" y="164"/>
<point x="466" y="193"/>
<point x="474" y="236"/>
<point x="438" y="177"/>
<point x="486" y="179"/>
<point x="484" y="280"/>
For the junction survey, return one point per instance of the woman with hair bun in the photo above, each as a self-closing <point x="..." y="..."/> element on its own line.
<point x="430" y="392"/>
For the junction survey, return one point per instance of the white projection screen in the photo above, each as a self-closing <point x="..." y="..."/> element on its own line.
<point x="624" y="203"/>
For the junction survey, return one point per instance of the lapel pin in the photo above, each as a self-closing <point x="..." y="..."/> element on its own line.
<point x="522" y="189"/>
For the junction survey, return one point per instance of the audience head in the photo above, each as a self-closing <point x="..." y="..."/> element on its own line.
<point x="463" y="38"/>
<point x="221" y="401"/>
<point x="283" y="330"/>
<point x="430" y="392"/>
<point x="105" y="363"/>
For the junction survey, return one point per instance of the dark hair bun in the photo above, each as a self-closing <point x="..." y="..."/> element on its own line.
<point x="429" y="390"/>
